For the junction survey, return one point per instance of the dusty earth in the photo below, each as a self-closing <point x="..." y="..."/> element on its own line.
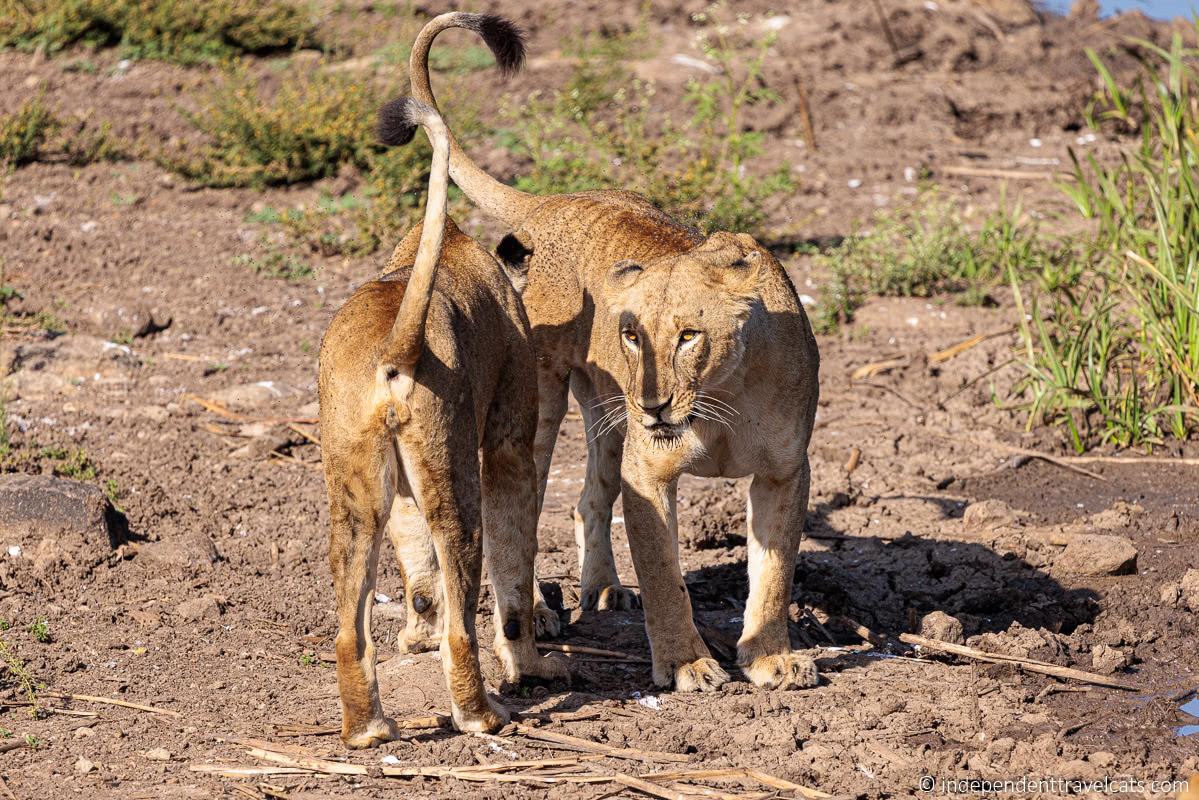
<point x="210" y="596"/>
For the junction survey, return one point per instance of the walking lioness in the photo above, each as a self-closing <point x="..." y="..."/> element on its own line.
<point x="686" y="354"/>
<point x="423" y="373"/>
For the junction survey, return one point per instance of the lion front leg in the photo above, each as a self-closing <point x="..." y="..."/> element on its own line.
<point x="776" y="515"/>
<point x="678" y="653"/>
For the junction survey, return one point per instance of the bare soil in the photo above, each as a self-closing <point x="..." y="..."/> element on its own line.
<point x="222" y="591"/>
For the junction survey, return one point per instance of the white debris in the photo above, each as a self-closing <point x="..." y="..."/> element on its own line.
<point x="390" y="760"/>
<point x="381" y="598"/>
<point x="913" y="321"/>
<point x="14" y="550"/>
<point x="652" y="702"/>
<point x="694" y="63"/>
<point x="89" y="226"/>
<point x="807" y="300"/>
<point x="854" y="183"/>
<point x="1034" y="142"/>
<point x="777" y="22"/>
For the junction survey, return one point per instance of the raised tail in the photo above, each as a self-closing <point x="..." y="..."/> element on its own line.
<point x="507" y="44"/>
<point x="398" y="121"/>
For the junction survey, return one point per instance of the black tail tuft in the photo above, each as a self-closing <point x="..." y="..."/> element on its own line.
<point x="397" y="122"/>
<point x="504" y="38"/>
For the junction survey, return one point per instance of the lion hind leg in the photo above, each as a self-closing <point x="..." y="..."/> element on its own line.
<point x="359" y="493"/>
<point x="510" y="547"/>
<point x="442" y="468"/>
<point x="421" y="574"/>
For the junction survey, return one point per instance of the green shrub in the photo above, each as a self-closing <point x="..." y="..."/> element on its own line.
<point x="312" y="124"/>
<point x="185" y="31"/>
<point x="1117" y="359"/>
<point x="588" y="135"/>
<point x="23" y="133"/>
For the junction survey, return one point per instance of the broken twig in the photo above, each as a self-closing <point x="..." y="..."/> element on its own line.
<point x="1029" y="664"/>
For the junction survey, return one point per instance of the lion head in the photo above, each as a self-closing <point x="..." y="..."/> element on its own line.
<point x="682" y="325"/>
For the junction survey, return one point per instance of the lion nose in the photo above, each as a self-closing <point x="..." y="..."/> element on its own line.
<point x="654" y="413"/>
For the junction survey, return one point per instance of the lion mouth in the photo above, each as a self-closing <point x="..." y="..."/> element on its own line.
<point x="668" y="433"/>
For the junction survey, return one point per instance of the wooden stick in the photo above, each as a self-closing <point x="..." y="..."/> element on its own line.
<point x="245" y="771"/>
<point x="112" y="701"/>
<point x="1163" y="460"/>
<point x="961" y="347"/>
<point x="993" y="172"/>
<point x="878" y="367"/>
<point x="886" y="26"/>
<point x="1060" y="462"/>
<point x="587" y="746"/>
<point x="590" y="651"/>
<point x="650" y="788"/>
<point x="304" y="433"/>
<point x="221" y="411"/>
<point x="781" y="783"/>
<point x="17" y="745"/>
<point x="1032" y="665"/>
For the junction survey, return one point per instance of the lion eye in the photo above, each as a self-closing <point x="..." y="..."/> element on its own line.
<point x="630" y="337"/>
<point x="688" y="336"/>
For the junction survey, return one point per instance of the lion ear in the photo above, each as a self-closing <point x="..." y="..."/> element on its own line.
<point x="741" y="275"/>
<point x="624" y="274"/>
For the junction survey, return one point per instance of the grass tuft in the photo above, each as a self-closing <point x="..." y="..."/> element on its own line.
<point x="23" y="133"/>
<point x="183" y="31"/>
<point x="927" y="247"/>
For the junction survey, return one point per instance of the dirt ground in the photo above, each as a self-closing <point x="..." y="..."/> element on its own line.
<point x="218" y="606"/>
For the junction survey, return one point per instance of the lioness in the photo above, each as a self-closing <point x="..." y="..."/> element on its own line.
<point x="422" y="372"/>
<point x="686" y="354"/>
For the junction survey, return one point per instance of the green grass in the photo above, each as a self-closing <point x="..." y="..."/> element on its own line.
<point x="276" y="264"/>
<point x="603" y="129"/>
<point x="928" y="247"/>
<point x="40" y="630"/>
<point x="1116" y="359"/>
<point x="27" y="685"/>
<point x="183" y="31"/>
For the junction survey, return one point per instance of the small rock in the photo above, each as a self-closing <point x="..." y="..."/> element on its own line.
<point x="84" y="733"/>
<point x="941" y="626"/>
<point x="156" y="414"/>
<point x="1096" y="554"/>
<point x="208" y="606"/>
<point x="1171" y="594"/>
<point x="189" y="551"/>
<point x="83" y="766"/>
<point x="1107" y="659"/>
<point x="1189" y="589"/>
<point x="989" y="514"/>
<point x="247" y="396"/>
<point x="158" y="754"/>
<point x="1102" y="758"/>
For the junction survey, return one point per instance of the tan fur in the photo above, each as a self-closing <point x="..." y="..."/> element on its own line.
<point x="739" y="401"/>
<point x="427" y="385"/>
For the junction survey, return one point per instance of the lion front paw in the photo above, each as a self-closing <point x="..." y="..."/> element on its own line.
<point x="373" y="734"/>
<point x="609" y="597"/>
<point x="783" y="671"/>
<point x="489" y="721"/>
<point x="701" y="675"/>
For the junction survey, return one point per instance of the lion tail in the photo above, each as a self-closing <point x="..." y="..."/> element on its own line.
<point x="398" y="121"/>
<point x="507" y="44"/>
